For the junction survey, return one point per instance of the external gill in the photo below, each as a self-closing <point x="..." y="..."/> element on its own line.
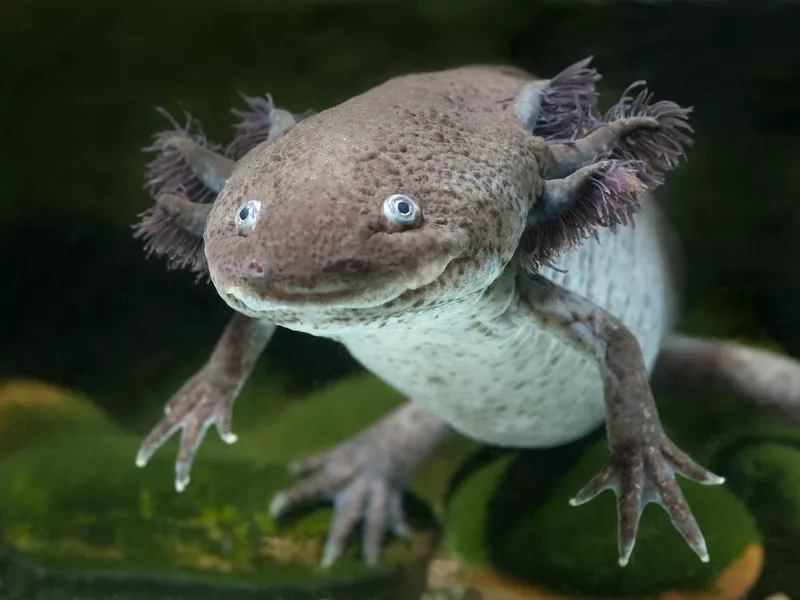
<point x="183" y="178"/>
<point x="188" y="171"/>
<point x="261" y="121"/>
<point x="566" y="158"/>
<point x="559" y="108"/>
<point x="599" y="179"/>
<point x="210" y="168"/>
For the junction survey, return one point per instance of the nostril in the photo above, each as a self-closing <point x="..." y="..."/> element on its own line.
<point x="255" y="269"/>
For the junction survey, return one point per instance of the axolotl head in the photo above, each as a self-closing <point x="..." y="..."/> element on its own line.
<point x="410" y="199"/>
<point x="343" y="218"/>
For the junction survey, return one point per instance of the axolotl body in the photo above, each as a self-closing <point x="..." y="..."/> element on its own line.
<point x="468" y="235"/>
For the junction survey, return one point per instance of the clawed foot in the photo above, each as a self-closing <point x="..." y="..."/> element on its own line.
<point x="642" y="472"/>
<point x="199" y="404"/>
<point x="360" y="477"/>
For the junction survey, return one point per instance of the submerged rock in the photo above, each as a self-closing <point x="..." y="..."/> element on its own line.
<point x="766" y="475"/>
<point x="79" y="521"/>
<point x="510" y="524"/>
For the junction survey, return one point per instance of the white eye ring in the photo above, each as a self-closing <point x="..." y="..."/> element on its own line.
<point x="401" y="209"/>
<point x="247" y="214"/>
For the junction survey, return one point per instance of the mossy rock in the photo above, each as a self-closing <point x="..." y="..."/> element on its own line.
<point x="766" y="475"/>
<point x="81" y="522"/>
<point x="30" y="410"/>
<point x="510" y="523"/>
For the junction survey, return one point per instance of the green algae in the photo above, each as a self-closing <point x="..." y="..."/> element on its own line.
<point x="766" y="475"/>
<point x="503" y="518"/>
<point x="76" y="507"/>
<point x="466" y="519"/>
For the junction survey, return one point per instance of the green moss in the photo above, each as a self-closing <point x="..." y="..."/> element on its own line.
<point x="767" y="477"/>
<point x="76" y="505"/>
<point x="707" y="425"/>
<point x="466" y="521"/>
<point x="504" y="518"/>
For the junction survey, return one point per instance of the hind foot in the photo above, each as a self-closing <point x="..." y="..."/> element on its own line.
<point x="364" y="478"/>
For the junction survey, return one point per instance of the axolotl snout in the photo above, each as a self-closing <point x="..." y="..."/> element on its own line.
<point x="467" y="236"/>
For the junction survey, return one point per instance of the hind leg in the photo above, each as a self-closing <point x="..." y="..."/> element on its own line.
<point x="365" y="477"/>
<point x="766" y="378"/>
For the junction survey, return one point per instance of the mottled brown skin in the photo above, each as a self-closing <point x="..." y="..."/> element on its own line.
<point x="323" y="258"/>
<point x="413" y="134"/>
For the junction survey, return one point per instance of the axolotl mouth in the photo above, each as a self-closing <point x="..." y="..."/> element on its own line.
<point x="313" y="296"/>
<point x="260" y="300"/>
<point x="240" y="297"/>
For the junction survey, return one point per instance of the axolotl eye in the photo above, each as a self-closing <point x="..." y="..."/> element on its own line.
<point x="247" y="214"/>
<point x="401" y="209"/>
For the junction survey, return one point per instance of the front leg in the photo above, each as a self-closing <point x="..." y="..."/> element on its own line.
<point x="365" y="477"/>
<point x="643" y="459"/>
<point x="207" y="397"/>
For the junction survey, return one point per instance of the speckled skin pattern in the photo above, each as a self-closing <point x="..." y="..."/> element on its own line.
<point x="463" y="155"/>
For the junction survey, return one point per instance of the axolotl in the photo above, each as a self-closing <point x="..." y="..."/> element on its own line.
<point x="483" y="240"/>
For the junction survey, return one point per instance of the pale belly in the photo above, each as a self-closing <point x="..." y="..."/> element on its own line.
<point x="510" y="382"/>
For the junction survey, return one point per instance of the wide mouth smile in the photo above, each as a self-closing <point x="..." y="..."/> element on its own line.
<point x="271" y="299"/>
<point x="260" y="300"/>
<point x="310" y="296"/>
